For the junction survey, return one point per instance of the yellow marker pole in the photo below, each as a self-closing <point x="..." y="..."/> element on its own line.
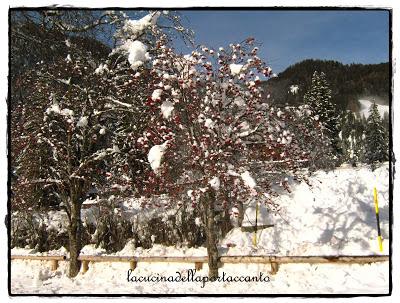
<point x="377" y="219"/>
<point x="255" y="229"/>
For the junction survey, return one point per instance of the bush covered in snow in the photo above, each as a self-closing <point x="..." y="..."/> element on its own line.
<point x="32" y="229"/>
<point x="110" y="226"/>
<point x="110" y="230"/>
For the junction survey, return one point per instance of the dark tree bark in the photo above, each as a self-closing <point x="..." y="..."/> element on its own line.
<point x="75" y="230"/>
<point x="241" y="213"/>
<point x="226" y="223"/>
<point x="211" y="235"/>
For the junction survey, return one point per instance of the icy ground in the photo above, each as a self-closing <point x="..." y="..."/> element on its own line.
<point x="335" y="216"/>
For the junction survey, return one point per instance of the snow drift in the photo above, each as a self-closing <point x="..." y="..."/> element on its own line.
<point x="336" y="215"/>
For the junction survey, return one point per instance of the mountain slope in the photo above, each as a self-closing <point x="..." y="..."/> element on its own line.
<point x="349" y="83"/>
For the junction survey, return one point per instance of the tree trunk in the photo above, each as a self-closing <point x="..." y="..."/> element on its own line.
<point x="241" y="213"/>
<point x="75" y="235"/>
<point x="211" y="234"/>
<point x="226" y="223"/>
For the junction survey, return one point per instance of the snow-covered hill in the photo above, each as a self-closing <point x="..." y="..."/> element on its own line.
<point x="365" y="106"/>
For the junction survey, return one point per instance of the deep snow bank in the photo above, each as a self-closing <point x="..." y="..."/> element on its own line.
<point x="336" y="215"/>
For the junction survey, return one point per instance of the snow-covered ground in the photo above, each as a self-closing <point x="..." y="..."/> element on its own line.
<point x="365" y="106"/>
<point x="333" y="216"/>
<point x="35" y="277"/>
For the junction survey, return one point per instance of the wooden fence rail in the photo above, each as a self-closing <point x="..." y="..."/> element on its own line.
<point x="198" y="261"/>
<point x="42" y="258"/>
<point x="54" y="259"/>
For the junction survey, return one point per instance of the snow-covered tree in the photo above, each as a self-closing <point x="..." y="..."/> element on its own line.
<point x="318" y="97"/>
<point x="125" y="76"/>
<point x="352" y="137"/>
<point x="80" y="111"/>
<point x="71" y="132"/>
<point x="152" y="121"/>
<point x="376" y="140"/>
<point x="29" y="157"/>
<point x="386" y="125"/>
<point x="207" y="109"/>
<point x="34" y="38"/>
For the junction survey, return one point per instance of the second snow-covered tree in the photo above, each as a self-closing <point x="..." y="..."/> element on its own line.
<point x="376" y="139"/>
<point x="319" y="97"/>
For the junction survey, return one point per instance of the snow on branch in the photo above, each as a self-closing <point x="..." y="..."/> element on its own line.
<point x="42" y="181"/>
<point x="248" y="180"/>
<point x="119" y="102"/>
<point x="128" y="35"/>
<point x="97" y="156"/>
<point x="155" y="156"/>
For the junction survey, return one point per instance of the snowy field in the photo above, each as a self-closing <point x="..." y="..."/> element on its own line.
<point x="111" y="278"/>
<point x="335" y="216"/>
<point x="365" y="106"/>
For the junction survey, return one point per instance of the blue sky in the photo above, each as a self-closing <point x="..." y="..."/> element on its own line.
<point x="288" y="37"/>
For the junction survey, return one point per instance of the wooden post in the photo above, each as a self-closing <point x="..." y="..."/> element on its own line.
<point x="85" y="266"/>
<point x="274" y="266"/>
<point x="132" y="264"/>
<point x="54" y="265"/>
<point x="198" y="265"/>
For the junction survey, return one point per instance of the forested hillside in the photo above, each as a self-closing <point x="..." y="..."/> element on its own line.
<point x="348" y="82"/>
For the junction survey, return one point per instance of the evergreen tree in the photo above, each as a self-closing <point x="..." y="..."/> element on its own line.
<point x="386" y="125"/>
<point x="351" y="137"/>
<point x="376" y="143"/>
<point x="318" y="97"/>
<point x="360" y="126"/>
